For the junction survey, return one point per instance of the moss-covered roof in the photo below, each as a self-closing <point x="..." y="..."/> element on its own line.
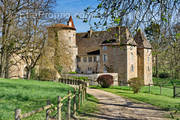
<point x="141" y="40"/>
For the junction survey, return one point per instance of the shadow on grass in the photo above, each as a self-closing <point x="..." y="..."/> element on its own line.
<point x="105" y="117"/>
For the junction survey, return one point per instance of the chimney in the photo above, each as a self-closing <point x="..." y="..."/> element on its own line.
<point x="70" y="23"/>
<point x="90" y="33"/>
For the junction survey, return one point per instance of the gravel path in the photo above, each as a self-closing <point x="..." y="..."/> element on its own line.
<point x="113" y="107"/>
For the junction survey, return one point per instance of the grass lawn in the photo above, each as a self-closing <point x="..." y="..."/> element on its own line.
<point x="89" y="106"/>
<point x="28" y="95"/>
<point x="164" y="101"/>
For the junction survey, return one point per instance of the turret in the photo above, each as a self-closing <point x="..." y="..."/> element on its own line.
<point x="144" y="51"/>
<point x="62" y="47"/>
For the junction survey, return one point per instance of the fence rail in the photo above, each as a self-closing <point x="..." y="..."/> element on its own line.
<point x="72" y="81"/>
<point x="176" y="91"/>
<point x="49" y="108"/>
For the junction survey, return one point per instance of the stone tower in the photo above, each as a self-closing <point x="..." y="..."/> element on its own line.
<point x="144" y="51"/>
<point x="60" y="50"/>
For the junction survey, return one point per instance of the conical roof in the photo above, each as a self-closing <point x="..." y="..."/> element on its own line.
<point x="70" y="22"/>
<point x="141" y="40"/>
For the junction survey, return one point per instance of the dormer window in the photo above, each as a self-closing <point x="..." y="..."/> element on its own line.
<point x="104" y="47"/>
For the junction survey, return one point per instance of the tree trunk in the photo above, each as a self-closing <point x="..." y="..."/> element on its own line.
<point x="28" y="73"/>
<point x="156" y="73"/>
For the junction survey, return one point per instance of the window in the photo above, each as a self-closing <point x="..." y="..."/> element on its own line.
<point x="95" y="59"/>
<point x="104" y="58"/>
<point x="132" y="58"/>
<point x="132" y="68"/>
<point x="131" y="48"/>
<point x="84" y="59"/>
<point x="148" y="59"/>
<point x="89" y="69"/>
<point x="104" y="47"/>
<point x="105" y="69"/>
<point x="90" y="59"/>
<point x="78" y="59"/>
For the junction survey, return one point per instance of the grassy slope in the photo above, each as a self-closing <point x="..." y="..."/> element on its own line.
<point x="90" y="105"/>
<point x="28" y="95"/>
<point x="164" y="101"/>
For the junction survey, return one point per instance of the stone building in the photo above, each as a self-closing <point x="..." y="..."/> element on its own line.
<point x="112" y="51"/>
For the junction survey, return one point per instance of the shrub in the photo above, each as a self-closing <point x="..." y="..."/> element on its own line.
<point x="105" y="80"/>
<point x="34" y="75"/>
<point x="72" y="72"/>
<point x="47" y="74"/>
<point x="164" y="75"/>
<point x="80" y="78"/>
<point x="136" y="84"/>
<point x="59" y="68"/>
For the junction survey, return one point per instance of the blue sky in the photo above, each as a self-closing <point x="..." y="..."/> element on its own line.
<point x="75" y="7"/>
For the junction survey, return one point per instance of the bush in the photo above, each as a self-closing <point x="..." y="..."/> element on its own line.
<point x="105" y="80"/>
<point x="47" y="74"/>
<point x="80" y="78"/>
<point x="136" y="84"/>
<point x="164" y="75"/>
<point x="34" y="75"/>
<point x="72" y="72"/>
<point x="59" y="68"/>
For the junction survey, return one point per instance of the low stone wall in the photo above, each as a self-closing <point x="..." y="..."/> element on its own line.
<point x="93" y="77"/>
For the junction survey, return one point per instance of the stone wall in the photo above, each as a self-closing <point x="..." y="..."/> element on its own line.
<point x="145" y="65"/>
<point x="17" y="70"/>
<point x="131" y="62"/>
<point x="84" y="67"/>
<point x="93" y="77"/>
<point x="60" y="50"/>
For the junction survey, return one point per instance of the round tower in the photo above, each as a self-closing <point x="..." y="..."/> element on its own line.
<point x="62" y="41"/>
<point x="67" y="46"/>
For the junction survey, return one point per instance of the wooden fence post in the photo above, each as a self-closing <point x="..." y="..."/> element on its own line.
<point x="174" y="91"/>
<point x="160" y="89"/>
<point x="59" y="108"/>
<point x="47" y="111"/>
<point x="82" y="95"/>
<point x="74" y="107"/>
<point x="17" y="114"/>
<point x="79" y="97"/>
<point x="69" y="107"/>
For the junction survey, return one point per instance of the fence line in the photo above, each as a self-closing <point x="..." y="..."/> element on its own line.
<point x="49" y="108"/>
<point x="175" y="89"/>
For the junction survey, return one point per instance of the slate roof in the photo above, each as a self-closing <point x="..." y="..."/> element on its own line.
<point x="87" y="44"/>
<point x="141" y="40"/>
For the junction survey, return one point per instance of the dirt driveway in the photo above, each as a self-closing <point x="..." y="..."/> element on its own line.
<point x="113" y="107"/>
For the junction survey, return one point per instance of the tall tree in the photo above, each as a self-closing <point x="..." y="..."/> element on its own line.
<point x="153" y="35"/>
<point x="12" y="41"/>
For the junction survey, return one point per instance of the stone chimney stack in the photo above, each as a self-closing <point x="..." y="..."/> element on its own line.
<point x="70" y="23"/>
<point x="90" y="33"/>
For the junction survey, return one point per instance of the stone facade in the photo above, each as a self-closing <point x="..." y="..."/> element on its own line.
<point x="95" y="52"/>
<point x="118" y="53"/>
<point x="93" y="77"/>
<point x="60" y="49"/>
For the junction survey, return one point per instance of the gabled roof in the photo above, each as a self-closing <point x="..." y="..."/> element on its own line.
<point x="87" y="43"/>
<point x="141" y="40"/>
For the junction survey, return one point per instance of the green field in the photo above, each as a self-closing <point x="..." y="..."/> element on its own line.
<point x="28" y="95"/>
<point x="164" y="101"/>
